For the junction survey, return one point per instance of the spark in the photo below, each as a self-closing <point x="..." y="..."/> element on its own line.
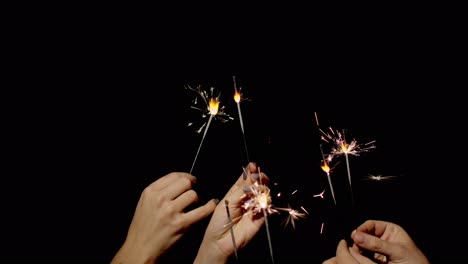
<point x="320" y="194"/>
<point x="211" y="108"/>
<point x="321" y="228"/>
<point x="259" y="199"/>
<point x="293" y="215"/>
<point x="379" y="178"/>
<point x="238" y="97"/>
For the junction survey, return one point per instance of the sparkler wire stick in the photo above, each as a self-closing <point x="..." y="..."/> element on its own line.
<point x="349" y="177"/>
<point x="237" y="98"/>
<point x="232" y="231"/>
<point x="268" y="234"/>
<point x="203" y="138"/>
<point x="326" y="168"/>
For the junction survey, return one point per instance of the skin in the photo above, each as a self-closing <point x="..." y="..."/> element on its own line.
<point x="217" y="245"/>
<point x="379" y="242"/>
<point x="160" y="220"/>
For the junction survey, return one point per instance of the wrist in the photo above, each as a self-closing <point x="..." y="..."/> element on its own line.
<point x="210" y="253"/>
<point x="133" y="254"/>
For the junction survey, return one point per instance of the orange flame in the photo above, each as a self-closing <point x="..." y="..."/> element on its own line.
<point x="325" y="167"/>
<point x="237" y="96"/>
<point x="344" y="147"/>
<point x="214" y="105"/>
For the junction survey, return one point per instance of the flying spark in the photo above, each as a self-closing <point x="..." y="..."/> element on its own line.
<point x="379" y="178"/>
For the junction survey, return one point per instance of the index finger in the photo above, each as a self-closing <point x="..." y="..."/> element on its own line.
<point x="170" y="178"/>
<point x="373" y="227"/>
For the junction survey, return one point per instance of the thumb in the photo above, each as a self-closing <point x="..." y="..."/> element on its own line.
<point x="375" y="244"/>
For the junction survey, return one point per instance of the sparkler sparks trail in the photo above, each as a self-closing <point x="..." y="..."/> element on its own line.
<point x="230" y="227"/>
<point x="211" y="107"/>
<point x="237" y="99"/>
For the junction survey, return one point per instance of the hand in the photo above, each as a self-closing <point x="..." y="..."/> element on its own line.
<point x="217" y="245"/>
<point x="159" y="220"/>
<point x="386" y="242"/>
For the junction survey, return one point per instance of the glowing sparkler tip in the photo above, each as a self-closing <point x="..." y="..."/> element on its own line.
<point x="237" y="96"/>
<point x="213" y="106"/>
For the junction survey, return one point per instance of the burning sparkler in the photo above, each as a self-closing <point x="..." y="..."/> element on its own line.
<point x="325" y="167"/>
<point x="342" y="147"/>
<point x="327" y="170"/>
<point x="238" y="98"/>
<point x="259" y="201"/>
<point x="211" y="107"/>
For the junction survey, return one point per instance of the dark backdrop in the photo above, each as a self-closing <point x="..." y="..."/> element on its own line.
<point x="98" y="121"/>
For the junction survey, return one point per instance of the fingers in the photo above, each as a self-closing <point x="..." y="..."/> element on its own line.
<point x="373" y="227"/>
<point x="359" y="257"/>
<point x="375" y="244"/>
<point x="342" y="253"/>
<point x="201" y="212"/>
<point x="180" y="183"/>
<point x="169" y="179"/>
<point x="185" y="199"/>
<point x="251" y="174"/>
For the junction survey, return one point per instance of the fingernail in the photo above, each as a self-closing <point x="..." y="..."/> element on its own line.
<point x="216" y="201"/>
<point x="359" y="238"/>
<point x="246" y="189"/>
<point x="255" y="176"/>
<point x="226" y="202"/>
<point x="244" y="173"/>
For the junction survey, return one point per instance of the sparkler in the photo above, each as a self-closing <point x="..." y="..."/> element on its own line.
<point x="341" y="147"/>
<point x="211" y="108"/>
<point x="260" y="202"/>
<point x="326" y="169"/>
<point x="237" y="99"/>
<point x="230" y="227"/>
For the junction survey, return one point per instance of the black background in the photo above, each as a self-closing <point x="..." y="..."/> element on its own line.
<point x="98" y="118"/>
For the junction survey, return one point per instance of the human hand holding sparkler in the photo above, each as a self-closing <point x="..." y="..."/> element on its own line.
<point x="159" y="220"/>
<point x="217" y="245"/>
<point x="381" y="242"/>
